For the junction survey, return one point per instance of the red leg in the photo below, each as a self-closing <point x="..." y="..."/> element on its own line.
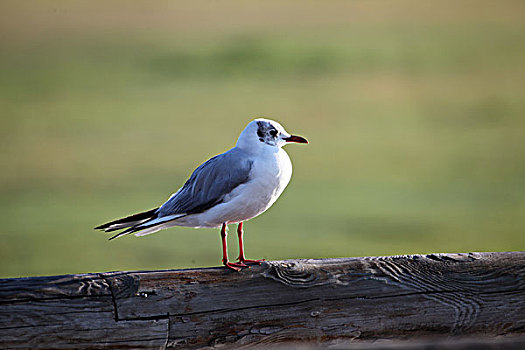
<point x="241" y="257"/>
<point x="232" y="266"/>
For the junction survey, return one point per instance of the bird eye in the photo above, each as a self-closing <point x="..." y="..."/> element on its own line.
<point x="273" y="132"/>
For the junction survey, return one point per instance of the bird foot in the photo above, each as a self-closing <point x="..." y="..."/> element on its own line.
<point x="248" y="261"/>
<point x="235" y="266"/>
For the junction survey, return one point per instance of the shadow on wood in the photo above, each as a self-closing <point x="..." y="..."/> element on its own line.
<point x="341" y="302"/>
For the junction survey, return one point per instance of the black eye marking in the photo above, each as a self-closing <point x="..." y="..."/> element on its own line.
<point x="266" y="132"/>
<point x="260" y="128"/>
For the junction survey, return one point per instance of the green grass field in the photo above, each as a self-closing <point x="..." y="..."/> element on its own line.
<point x="415" y="113"/>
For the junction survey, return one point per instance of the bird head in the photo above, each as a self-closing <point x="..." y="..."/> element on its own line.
<point x="264" y="132"/>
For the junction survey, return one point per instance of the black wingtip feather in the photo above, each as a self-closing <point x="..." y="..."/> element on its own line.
<point x="135" y="217"/>
<point x="115" y="236"/>
<point x="129" y="230"/>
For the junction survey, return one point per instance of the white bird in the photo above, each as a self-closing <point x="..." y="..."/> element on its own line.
<point x="229" y="188"/>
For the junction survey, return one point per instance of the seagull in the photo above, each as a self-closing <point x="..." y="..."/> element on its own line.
<point x="230" y="188"/>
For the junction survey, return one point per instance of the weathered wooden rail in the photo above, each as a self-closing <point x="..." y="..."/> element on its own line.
<point x="316" y="302"/>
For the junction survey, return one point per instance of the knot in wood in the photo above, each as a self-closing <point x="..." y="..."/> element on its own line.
<point x="125" y="286"/>
<point x="296" y="274"/>
<point x="143" y="294"/>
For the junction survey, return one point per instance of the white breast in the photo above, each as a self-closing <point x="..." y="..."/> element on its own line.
<point x="270" y="177"/>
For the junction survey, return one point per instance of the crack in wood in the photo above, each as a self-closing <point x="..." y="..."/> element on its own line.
<point x="168" y="327"/>
<point x="146" y="318"/>
<point x="126" y="341"/>
<point x="218" y="311"/>
<point x="115" y="307"/>
<point x="63" y="297"/>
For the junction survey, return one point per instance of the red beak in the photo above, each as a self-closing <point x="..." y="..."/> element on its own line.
<point x="295" y="138"/>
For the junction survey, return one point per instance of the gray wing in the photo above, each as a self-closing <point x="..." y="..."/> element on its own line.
<point x="209" y="183"/>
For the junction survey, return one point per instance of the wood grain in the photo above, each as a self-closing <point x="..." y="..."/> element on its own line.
<point x="315" y="302"/>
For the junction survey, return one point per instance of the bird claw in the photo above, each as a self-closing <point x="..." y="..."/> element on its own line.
<point x="235" y="266"/>
<point x="242" y="264"/>
<point x="248" y="261"/>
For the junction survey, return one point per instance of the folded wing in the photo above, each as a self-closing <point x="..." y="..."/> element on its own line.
<point x="209" y="184"/>
<point x="206" y="187"/>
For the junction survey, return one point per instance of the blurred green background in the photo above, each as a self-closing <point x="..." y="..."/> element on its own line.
<point x="415" y="113"/>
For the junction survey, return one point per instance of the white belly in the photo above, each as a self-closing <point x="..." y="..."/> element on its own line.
<point x="268" y="179"/>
